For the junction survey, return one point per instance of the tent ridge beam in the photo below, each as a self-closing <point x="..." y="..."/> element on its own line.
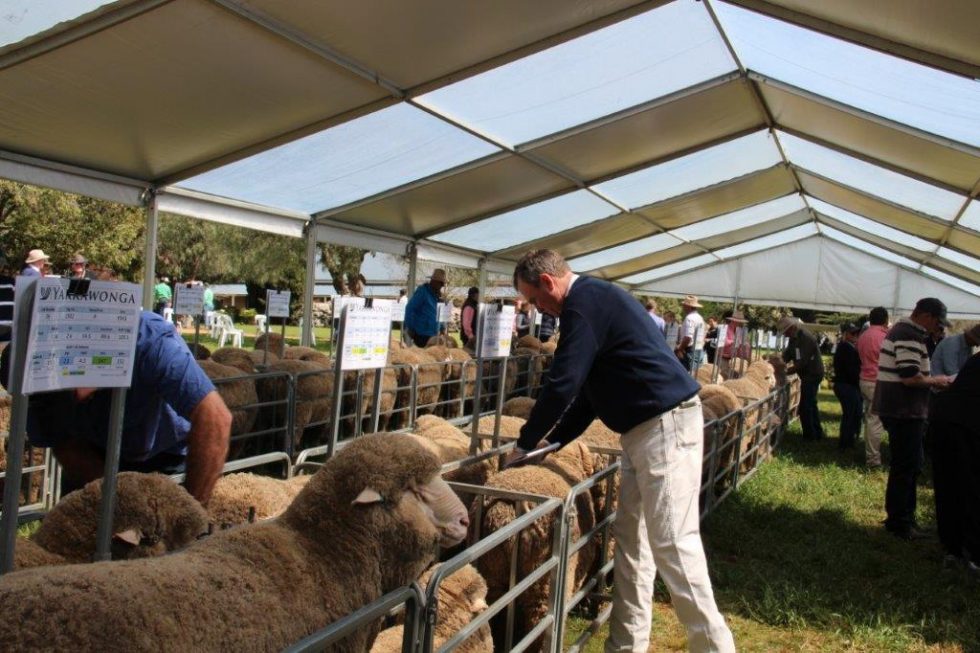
<point x="865" y="115"/>
<point x="324" y="52"/>
<point x="55" y="38"/>
<point x="872" y="160"/>
<point x="531" y="48"/>
<point x="899" y="207"/>
<point x="282" y="138"/>
<point x="910" y="53"/>
<point x="628" y="112"/>
<point x="78" y="171"/>
<point x="413" y="185"/>
<point x="952" y="225"/>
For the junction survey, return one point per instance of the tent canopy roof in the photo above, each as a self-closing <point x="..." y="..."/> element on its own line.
<point x="642" y="139"/>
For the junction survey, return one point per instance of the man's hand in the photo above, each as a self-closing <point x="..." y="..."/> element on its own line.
<point x="513" y="459"/>
<point x="207" y="445"/>
<point x="941" y="382"/>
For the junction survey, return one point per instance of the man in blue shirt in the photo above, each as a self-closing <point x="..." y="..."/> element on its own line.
<point x="953" y="351"/>
<point x="610" y="364"/>
<point x="422" y="310"/>
<point x="173" y="417"/>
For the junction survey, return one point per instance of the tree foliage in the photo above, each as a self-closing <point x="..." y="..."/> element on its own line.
<point x="344" y="264"/>
<point x="108" y="234"/>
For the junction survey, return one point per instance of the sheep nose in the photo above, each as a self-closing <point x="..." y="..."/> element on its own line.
<point x="464" y="520"/>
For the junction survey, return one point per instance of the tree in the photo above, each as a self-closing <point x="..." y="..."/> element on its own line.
<point x="344" y="264"/>
<point x="108" y="234"/>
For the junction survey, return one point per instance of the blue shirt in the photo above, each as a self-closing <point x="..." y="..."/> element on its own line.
<point x="422" y="312"/>
<point x="167" y="385"/>
<point x="659" y="321"/>
<point x="950" y="356"/>
<point x="611" y="363"/>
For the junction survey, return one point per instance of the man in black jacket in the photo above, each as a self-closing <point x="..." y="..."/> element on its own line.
<point x="847" y="374"/>
<point x="612" y="363"/>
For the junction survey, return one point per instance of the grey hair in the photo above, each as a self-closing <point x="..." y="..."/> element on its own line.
<point x="537" y="262"/>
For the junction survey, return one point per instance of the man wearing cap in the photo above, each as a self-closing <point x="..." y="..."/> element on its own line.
<point x="953" y="351"/>
<point x="803" y="355"/>
<point x="78" y="271"/>
<point x="847" y="374"/>
<point x="869" y="348"/>
<point x="902" y="401"/>
<point x="612" y="365"/>
<point x="35" y="263"/>
<point x="690" y="348"/>
<point x="422" y="310"/>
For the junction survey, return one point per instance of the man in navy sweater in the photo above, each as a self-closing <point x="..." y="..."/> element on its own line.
<point x="612" y="363"/>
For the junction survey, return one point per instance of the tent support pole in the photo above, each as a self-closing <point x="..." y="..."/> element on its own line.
<point x="413" y="269"/>
<point x="150" y="248"/>
<point x="306" y="337"/>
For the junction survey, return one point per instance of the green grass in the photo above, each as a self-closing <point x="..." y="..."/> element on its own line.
<point x="800" y="562"/>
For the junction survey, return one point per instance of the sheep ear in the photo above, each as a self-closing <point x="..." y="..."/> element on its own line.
<point x="368" y="495"/>
<point x="130" y="536"/>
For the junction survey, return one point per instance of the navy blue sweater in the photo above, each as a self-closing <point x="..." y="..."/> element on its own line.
<point x="611" y="363"/>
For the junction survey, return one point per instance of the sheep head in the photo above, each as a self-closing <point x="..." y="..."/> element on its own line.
<point x="385" y="491"/>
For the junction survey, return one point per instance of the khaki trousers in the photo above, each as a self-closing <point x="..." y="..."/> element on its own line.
<point x="873" y="428"/>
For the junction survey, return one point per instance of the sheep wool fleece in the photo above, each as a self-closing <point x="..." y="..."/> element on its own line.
<point x="259" y="587"/>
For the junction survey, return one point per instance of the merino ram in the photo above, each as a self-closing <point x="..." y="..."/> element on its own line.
<point x="153" y="516"/>
<point x="370" y="521"/>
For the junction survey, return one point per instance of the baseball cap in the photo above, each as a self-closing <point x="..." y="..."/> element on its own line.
<point x="934" y="307"/>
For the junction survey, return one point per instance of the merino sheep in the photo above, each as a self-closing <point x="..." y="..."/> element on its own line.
<point x="429" y="377"/>
<point x="153" y="516"/>
<point x="535" y="541"/>
<point x="260" y="359"/>
<point x="441" y="340"/>
<point x="370" y="521"/>
<point x="549" y="347"/>
<point x="518" y="407"/>
<point x="199" y="351"/>
<point x="706" y="374"/>
<point x="237" y="495"/>
<point x="297" y="353"/>
<point x="314" y="397"/>
<point x="234" y="357"/>
<point x="529" y="342"/>
<point x="238" y="394"/>
<point x="510" y="426"/>
<point x="277" y="344"/>
<point x="461" y="597"/>
<point x="530" y="366"/>
<point x="451" y="445"/>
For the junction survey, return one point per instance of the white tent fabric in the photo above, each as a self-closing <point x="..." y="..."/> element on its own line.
<point x="816" y="272"/>
<point x="642" y="139"/>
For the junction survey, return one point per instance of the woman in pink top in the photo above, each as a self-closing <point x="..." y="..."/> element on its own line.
<point x="869" y="346"/>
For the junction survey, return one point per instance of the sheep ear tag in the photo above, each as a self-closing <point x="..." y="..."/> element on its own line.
<point x="129" y="536"/>
<point x="367" y="495"/>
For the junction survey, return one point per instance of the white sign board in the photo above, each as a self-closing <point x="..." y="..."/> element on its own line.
<point x="80" y="341"/>
<point x="398" y="311"/>
<point x="722" y="335"/>
<point x="189" y="301"/>
<point x="537" y="318"/>
<point x="340" y="301"/>
<point x="446" y="312"/>
<point x="498" y="329"/>
<point x="366" y="334"/>
<point x="277" y="303"/>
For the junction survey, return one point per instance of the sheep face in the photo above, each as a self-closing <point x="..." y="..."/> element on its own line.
<point x="435" y="502"/>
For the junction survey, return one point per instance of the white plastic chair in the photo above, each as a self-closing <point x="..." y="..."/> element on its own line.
<point x="259" y="320"/>
<point x="168" y="315"/>
<point x="226" y="330"/>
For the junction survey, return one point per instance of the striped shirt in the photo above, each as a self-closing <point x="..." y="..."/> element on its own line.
<point x="903" y="356"/>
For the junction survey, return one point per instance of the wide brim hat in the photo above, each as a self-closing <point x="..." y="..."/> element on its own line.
<point x="692" y="301"/>
<point x="438" y="275"/>
<point x="738" y="316"/>
<point x="78" y="258"/>
<point x="36" y="255"/>
<point x="785" y="323"/>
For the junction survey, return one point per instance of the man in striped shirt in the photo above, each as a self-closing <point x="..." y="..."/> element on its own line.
<point x="901" y="399"/>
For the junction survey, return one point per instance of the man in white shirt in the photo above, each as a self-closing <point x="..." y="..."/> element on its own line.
<point x="690" y="349"/>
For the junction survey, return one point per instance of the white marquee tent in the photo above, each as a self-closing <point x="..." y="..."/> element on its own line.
<point x="822" y="154"/>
